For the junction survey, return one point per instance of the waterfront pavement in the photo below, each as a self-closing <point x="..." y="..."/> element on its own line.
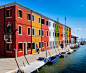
<point x="9" y="64"/>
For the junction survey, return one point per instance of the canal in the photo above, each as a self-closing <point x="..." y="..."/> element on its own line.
<point x="72" y="63"/>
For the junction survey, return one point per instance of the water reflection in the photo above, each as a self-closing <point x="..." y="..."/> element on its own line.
<point x="73" y="63"/>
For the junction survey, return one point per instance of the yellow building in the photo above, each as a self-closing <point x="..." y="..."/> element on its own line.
<point x="68" y="34"/>
<point x="36" y="32"/>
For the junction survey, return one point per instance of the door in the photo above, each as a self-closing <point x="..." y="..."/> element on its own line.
<point x="45" y="46"/>
<point x="25" y="48"/>
<point x="36" y="46"/>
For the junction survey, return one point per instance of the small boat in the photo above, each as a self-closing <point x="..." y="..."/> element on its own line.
<point x="70" y="51"/>
<point x="50" y="60"/>
<point x="63" y="54"/>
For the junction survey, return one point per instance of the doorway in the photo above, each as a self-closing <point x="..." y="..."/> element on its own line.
<point x="36" y="46"/>
<point x="45" y="46"/>
<point x="25" y="48"/>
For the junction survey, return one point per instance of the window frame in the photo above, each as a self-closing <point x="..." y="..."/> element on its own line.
<point x="27" y="31"/>
<point x="32" y="18"/>
<point x="27" y="46"/>
<point x="48" y="33"/>
<point x="32" y="31"/>
<point x="22" y="47"/>
<point x="18" y="30"/>
<point x="10" y="13"/>
<point x="40" y="20"/>
<point x="43" y="32"/>
<point x="18" y="14"/>
<point x="40" y="32"/>
<point x="42" y="44"/>
<point x="29" y="18"/>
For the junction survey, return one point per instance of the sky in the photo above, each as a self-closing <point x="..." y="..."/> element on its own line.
<point x="74" y="10"/>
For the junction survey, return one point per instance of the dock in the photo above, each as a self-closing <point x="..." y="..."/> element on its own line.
<point x="33" y="66"/>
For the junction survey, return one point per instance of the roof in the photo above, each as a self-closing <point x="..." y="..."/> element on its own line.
<point x="72" y="36"/>
<point x="15" y="3"/>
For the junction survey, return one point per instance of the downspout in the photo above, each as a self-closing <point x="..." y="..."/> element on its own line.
<point x="31" y="31"/>
<point x="41" y="32"/>
<point x="4" y="30"/>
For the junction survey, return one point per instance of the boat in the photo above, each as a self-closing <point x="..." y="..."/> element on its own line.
<point x="50" y="60"/>
<point x="70" y="51"/>
<point x="63" y="54"/>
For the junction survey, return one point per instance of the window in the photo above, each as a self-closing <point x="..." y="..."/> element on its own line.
<point x="53" y="43"/>
<point x="58" y="34"/>
<point x="9" y="47"/>
<point x="47" y="23"/>
<point x="20" y="30"/>
<point x="33" y="31"/>
<point x="33" y="18"/>
<point x="61" y="28"/>
<point x="20" y="13"/>
<point x="53" y="34"/>
<point x="47" y="33"/>
<point x="47" y="44"/>
<point x="43" y="21"/>
<point x="9" y="28"/>
<point x="57" y="26"/>
<point x="33" y="45"/>
<point x="9" y="13"/>
<point x="42" y="44"/>
<point x="61" y="35"/>
<point x="39" y="32"/>
<point x="28" y="30"/>
<point x="39" y="44"/>
<point x="67" y="30"/>
<point x="42" y="32"/>
<point x="53" y="24"/>
<point x="20" y="47"/>
<point x="28" y="16"/>
<point x="39" y="20"/>
<point x="29" y="46"/>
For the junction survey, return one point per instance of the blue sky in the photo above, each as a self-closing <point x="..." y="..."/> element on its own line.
<point x="74" y="10"/>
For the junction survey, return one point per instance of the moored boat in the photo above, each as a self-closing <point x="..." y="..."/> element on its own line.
<point x="50" y="60"/>
<point x="63" y="54"/>
<point x="70" y="51"/>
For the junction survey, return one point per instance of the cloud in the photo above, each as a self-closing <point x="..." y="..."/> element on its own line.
<point x="82" y="5"/>
<point x="85" y="29"/>
<point x="77" y="30"/>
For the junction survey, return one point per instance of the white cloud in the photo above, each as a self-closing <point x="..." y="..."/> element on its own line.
<point x="77" y="30"/>
<point x="82" y="5"/>
<point x="85" y="29"/>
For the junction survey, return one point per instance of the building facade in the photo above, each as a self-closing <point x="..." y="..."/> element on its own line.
<point x="23" y="29"/>
<point x="51" y="34"/>
<point x="60" y="34"/>
<point x="45" y="34"/>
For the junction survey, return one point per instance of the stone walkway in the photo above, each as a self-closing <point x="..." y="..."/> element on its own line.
<point x="9" y="64"/>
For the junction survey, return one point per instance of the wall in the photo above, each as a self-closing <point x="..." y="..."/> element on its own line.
<point x="36" y="25"/>
<point x="51" y="38"/>
<point x="45" y="38"/>
<point x="25" y="24"/>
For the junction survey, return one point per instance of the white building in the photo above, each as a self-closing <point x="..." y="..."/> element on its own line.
<point x="51" y="34"/>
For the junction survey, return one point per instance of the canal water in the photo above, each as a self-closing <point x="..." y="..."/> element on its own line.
<point x="72" y="63"/>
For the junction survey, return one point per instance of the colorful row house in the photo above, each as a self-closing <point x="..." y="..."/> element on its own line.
<point x="23" y="29"/>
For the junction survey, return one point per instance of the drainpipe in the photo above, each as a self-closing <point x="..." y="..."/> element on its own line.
<point x="31" y="31"/>
<point x="4" y="30"/>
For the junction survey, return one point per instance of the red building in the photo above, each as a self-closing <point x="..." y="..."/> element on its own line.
<point x="45" y="34"/>
<point x="15" y="30"/>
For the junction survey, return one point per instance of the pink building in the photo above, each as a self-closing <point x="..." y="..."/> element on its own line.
<point x="63" y="32"/>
